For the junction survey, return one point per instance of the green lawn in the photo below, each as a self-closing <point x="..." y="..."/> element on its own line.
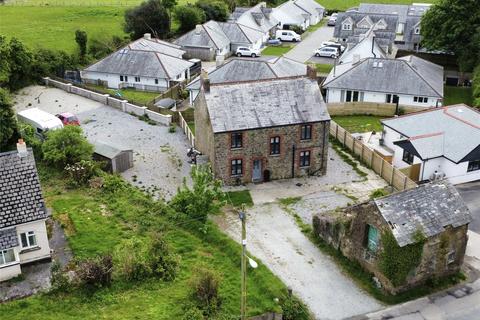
<point x="137" y="96"/>
<point x="359" y="123"/>
<point x="239" y="198"/>
<point x="346" y="4"/>
<point x="323" y="67"/>
<point x="454" y="95"/>
<point x="97" y="222"/>
<point x="276" y="50"/>
<point x="191" y="125"/>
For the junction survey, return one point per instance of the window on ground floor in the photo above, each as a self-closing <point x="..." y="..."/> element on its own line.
<point x="305" y="158"/>
<point x="236" y="167"/>
<point x="473" y="165"/>
<point x="28" y="239"/>
<point x="420" y="99"/>
<point x="7" y="256"/>
<point x="156" y="81"/>
<point x="351" y="96"/>
<point x="407" y="157"/>
<point x="137" y="79"/>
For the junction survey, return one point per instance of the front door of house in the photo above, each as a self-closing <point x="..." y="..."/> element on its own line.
<point x="257" y="170"/>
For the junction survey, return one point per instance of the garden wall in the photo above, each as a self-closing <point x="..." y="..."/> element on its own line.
<point x="122" y="105"/>
<point x="367" y="108"/>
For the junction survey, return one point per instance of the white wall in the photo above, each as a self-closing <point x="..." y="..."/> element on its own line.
<point x="42" y="241"/>
<point x="334" y="95"/>
<point x="113" y="80"/>
<point x="286" y="19"/>
<point x="10" y="271"/>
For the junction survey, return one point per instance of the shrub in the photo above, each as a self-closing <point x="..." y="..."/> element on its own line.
<point x="214" y="10"/>
<point x="81" y="172"/>
<point x="113" y="183"/>
<point x="172" y="128"/>
<point x="163" y="263"/>
<point x="293" y="309"/>
<point x="66" y="146"/>
<point x="59" y="280"/>
<point x="193" y="313"/>
<point x="149" y="17"/>
<point x="377" y="193"/>
<point x="27" y="133"/>
<point x="297" y="29"/>
<point x="205" y="285"/>
<point x="131" y="260"/>
<point x="7" y="117"/>
<point x="96" y="272"/>
<point x="189" y="17"/>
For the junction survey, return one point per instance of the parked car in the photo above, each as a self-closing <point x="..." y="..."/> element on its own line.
<point x="40" y="120"/>
<point x="327" y="52"/>
<point x="68" y="118"/>
<point x="288" y="35"/>
<point x="333" y="45"/>
<point x="274" y="42"/>
<point x="332" y="20"/>
<point x="247" y="52"/>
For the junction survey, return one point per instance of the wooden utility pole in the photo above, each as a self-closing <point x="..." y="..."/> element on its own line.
<point x="243" y="308"/>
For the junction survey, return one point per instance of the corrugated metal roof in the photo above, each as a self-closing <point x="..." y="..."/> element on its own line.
<point x="109" y="151"/>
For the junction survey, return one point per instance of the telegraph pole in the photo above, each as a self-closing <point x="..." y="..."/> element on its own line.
<point x="243" y="308"/>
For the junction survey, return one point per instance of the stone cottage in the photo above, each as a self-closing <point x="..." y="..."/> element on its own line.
<point x="256" y="131"/>
<point x="403" y="239"/>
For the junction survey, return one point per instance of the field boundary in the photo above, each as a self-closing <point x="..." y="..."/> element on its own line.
<point x="106" y="99"/>
<point x="389" y="173"/>
<point x="368" y="108"/>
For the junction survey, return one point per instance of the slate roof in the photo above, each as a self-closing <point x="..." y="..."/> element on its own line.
<point x="407" y="75"/>
<point x="251" y="17"/>
<point x="429" y="207"/>
<point x="157" y="45"/>
<point x="235" y="70"/>
<point x="452" y="132"/>
<point x="291" y="10"/>
<point x="390" y="20"/>
<point x="398" y="9"/>
<point x="21" y="198"/>
<point x="265" y="103"/>
<point x="146" y="63"/>
<point x="210" y="35"/>
<point x="238" y="33"/>
<point x="310" y="6"/>
<point x="8" y="238"/>
<point x="409" y="34"/>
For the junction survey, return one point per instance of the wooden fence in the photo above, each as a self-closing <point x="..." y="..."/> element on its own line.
<point x="186" y="129"/>
<point x="368" y="108"/>
<point x="392" y="175"/>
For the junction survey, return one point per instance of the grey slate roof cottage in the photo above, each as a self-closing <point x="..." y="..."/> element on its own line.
<point x="23" y="234"/>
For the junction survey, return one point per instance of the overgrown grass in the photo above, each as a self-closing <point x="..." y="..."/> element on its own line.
<point x="343" y="5"/>
<point x="454" y="95"/>
<point x="239" y="198"/>
<point x="323" y="67"/>
<point x="355" y="124"/>
<point x="99" y="221"/>
<point x="314" y="27"/>
<point x="137" y="96"/>
<point x="191" y="125"/>
<point x="276" y="50"/>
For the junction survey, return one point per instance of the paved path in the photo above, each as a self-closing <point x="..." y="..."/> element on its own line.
<point x="304" y="50"/>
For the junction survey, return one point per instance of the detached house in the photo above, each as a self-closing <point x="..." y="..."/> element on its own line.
<point x="430" y="220"/>
<point x="255" y="131"/>
<point x="258" y="17"/>
<point x="23" y="234"/>
<point x="410" y="82"/>
<point x="145" y="64"/>
<point x="435" y="144"/>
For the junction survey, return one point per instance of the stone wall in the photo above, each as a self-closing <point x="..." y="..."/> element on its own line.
<point x="256" y="146"/>
<point x="346" y="230"/>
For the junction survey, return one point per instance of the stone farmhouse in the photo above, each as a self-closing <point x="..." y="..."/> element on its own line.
<point x="438" y="143"/>
<point x="23" y="234"/>
<point x="410" y="81"/>
<point x="423" y="231"/>
<point x="256" y="131"/>
<point x="145" y="64"/>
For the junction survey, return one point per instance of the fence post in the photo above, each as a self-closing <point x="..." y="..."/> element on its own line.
<point x="405" y="183"/>
<point x="124" y="105"/>
<point x="381" y="167"/>
<point x="344" y="137"/>
<point x="336" y="131"/>
<point x="393" y="173"/>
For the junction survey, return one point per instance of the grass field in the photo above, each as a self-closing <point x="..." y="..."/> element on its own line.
<point x="98" y="222"/>
<point x="323" y="67"/>
<point x="345" y="4"/>
<point x="454" y="95"/>
<point x="355" y="124"/>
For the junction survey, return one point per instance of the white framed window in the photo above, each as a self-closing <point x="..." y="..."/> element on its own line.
<point x="7" y="256"/>
<point x="451" y="257"/>
<point x="28" y="239"/>
<point x="346" y="26"/>
<point x="137" y="79"/>
<point x="420" y="99"/>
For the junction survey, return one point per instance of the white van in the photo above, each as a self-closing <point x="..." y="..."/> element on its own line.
<point x="288" y="35"/>
<point x="40" y="120"/>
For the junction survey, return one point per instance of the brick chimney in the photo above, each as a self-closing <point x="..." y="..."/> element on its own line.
<point x="147" y="36"/>
<point x="22" y="148"/>
<point x="311" y="73"/>
<point x="206" y="85"/>
<point x="198" y="28"/>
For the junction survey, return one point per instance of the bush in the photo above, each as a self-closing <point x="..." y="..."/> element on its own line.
<point x="293" y="309"/>
<point x="7" y="118"/>
<point x="189" y="17"/>
<point x="149" y="17"/>
<point x="297" y="29"/>
<point x="66" y="146"/>
<point x="205" y="285"/>
<point x="113" y="183"/>
<point x="59" y="280"/>
<point x="131" y="260"/>
<point x="193" y="313"/>
<point x="81" y="172"/>
<point x="377" y="193"/>
<point x="163" y="263"/>
<point x="27" y="133"/>
<point x="96" y="272"/>
<point x="214" y="10"/>
<point x="172" y="128"/>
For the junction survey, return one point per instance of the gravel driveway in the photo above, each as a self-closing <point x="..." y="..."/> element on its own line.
<point x="304" y="50"/>
<point x="160" y="161"/>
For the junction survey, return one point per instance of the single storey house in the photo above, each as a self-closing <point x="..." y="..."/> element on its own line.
<point x="313" y="8"/>
<point x="235" y="70"/>
<point x="256" y="131"/>
<point x="403" y="239"/>
<point x="408" y="81"/>
<point x="145" y="64"/>
<point x="438" y="143"/>
<point x="23" y="233"/>
<point x="242" y="36"/>
<point x="289" y="14"/>
<point x="257" y="17"/>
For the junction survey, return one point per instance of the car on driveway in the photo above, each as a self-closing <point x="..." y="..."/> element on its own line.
<point x="327" y="52"/>
<point x="333" y="44"/>
<point x="68" y="118"/>
<point x="247" y="52"/>
<point x="288" y="35"/>
<point x="332" y="20"/>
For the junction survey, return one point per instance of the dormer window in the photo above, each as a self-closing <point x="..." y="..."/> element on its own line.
<point x="346" y="26"/>
<point x="417" y="30"/>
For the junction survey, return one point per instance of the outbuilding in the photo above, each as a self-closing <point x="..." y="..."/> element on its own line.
<point x="116" y="159"/>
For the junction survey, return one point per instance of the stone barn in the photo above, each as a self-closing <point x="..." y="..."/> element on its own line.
<point x="403" y="239"/>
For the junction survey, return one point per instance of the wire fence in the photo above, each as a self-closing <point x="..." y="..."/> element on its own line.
<point x="71" y="3"/>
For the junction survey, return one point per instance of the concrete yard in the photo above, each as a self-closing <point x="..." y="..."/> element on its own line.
<point x="160" y="160"/>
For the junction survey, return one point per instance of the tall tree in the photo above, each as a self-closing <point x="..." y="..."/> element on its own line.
<point x="214" y="9"/>
<point x="81" y="40"/>
<point x="189" y="17"/>
<point x="8" y="122"/>
<point x="454" y="25"/>
<point x="169" y="5"/>
<point x="148" y="17"/>
<point x="20" y="62"/>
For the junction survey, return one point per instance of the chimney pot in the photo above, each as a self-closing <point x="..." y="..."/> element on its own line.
<point x="198" y="28"/>
<point x="206" y="85"/>
<point x="22" y="148"/>
<point x="147" y="36"/>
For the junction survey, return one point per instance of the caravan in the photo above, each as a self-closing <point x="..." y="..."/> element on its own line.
<point x="40" y="120"/>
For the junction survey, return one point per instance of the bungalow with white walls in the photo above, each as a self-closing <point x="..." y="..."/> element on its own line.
<point x="289" y="14"/>
<point x="23" y="233"/>
<point x="257" y="17"/>
<point x="441" y="143"/>
<point x="145" y="64"/>
<point x="409" y="81"/>
<point x="313" y="8"/>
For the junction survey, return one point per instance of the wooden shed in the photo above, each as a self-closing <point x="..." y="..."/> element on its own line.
<point x="116" y="159"/>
